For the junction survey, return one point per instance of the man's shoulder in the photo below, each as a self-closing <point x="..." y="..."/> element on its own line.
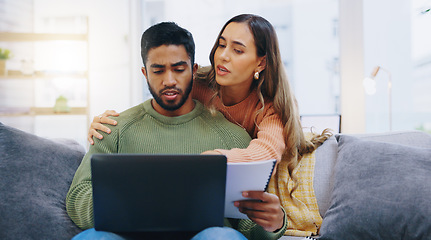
<point x="131" y="113"/>
<point x="128" y="117"/>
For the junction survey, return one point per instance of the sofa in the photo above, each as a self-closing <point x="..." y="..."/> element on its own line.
<point x="367" y="186"/>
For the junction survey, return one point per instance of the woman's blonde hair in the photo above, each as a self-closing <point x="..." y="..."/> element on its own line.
<point x="272" y="84"/>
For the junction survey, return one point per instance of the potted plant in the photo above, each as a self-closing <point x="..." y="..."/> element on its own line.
<point x="4" y="55"/>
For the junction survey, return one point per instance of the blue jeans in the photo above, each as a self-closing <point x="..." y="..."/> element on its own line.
<point x="219" y="233"/>
<point x="213" y="233"/>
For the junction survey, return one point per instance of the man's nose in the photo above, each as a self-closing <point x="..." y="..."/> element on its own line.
<point x="170" y="79"/>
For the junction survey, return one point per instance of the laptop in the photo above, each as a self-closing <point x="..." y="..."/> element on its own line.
<point x="158" y="192"/>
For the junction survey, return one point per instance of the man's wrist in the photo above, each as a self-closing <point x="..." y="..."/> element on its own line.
<point x="283" y="226"/>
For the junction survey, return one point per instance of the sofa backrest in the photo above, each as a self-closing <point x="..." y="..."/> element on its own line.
<point x="326" y="157"/>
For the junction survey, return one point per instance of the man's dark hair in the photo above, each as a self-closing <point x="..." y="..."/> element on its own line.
<point x="167" y="33"/>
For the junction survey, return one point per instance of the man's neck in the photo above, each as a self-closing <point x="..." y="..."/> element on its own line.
<point x="187" y="107"/>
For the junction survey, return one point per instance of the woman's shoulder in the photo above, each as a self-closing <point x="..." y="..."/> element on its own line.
<point x="268" y="103"/>
<point x="201" y="91"/>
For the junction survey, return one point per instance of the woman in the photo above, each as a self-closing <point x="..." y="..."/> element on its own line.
<point x="247" y="83"/>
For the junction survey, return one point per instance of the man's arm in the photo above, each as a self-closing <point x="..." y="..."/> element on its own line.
<point x="267" y="218"/>
<point x="79" y="199"/>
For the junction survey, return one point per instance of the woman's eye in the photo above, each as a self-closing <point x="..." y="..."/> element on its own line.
<point x="222" y="45"/>
<point x="238" y="51"/>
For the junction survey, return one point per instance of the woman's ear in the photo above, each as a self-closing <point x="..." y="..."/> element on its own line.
<point x="262" y="64"/>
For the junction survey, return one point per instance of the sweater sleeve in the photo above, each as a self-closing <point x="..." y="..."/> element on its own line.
<point x="253" y="231"/>
<point x="269" y="143"/>
<point x="79" y="199"/>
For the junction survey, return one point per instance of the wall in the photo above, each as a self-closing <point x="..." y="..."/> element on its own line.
<point x="110" y="57"/>
<point x="387" y="43"/>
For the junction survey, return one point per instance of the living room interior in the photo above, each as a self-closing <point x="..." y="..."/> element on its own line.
<point x="95" y="64"/>
<point x="361" y="68"/>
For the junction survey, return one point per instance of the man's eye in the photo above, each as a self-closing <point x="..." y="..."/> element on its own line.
<point x="158" y="72"/>
<point x="180" y="70"/>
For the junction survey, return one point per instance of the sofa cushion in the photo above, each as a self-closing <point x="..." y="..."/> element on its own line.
<point x="35" y="175"/>
<point x="323" y="181"/>
<point x="381" y="191"/>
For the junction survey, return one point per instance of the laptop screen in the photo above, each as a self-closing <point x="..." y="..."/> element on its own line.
<point x="158" y="193"/>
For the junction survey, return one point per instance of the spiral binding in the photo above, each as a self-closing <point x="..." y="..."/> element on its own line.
<point x="269" y="178"/>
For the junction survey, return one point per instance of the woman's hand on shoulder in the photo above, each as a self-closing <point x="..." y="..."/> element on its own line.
<point x="97" y="125"/>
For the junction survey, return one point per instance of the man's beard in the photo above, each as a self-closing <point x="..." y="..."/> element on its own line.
<point x="171" y="107"/>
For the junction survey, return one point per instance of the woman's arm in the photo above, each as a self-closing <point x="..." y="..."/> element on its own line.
<point x="268" y="144"/>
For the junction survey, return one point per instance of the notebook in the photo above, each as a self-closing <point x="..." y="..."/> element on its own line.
<point x="245" y="176"/>
<point x="158" y="193"/>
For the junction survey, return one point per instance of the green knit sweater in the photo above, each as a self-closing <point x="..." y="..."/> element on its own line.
<point x="141" y="129"/>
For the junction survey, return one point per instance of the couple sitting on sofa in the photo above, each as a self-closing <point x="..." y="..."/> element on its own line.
<point x="168" y="56"/>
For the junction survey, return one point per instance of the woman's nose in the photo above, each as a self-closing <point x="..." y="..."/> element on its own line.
<point x="224" y="54"/>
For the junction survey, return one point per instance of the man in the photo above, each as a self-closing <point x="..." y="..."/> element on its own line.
<point x="161" y="124"/>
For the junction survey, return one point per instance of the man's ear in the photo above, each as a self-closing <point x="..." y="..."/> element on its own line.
<point x="195" y="68"/>
<point x="144" y="71"/>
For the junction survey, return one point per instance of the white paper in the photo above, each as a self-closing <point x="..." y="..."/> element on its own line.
<point x="250" y="176"/>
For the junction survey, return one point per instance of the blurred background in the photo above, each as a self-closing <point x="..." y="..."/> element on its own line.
<point x="67" y="61"/>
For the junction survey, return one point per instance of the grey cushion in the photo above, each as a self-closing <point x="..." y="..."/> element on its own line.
<point x="408" y="138"/>
<point x="381" y="191"/>
<point x="35" y="175"/>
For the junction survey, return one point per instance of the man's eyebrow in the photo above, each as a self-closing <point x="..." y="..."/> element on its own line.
<point x="234" y="42"/>
<point x="155" y="65"/>
<point x="180" y="63"/>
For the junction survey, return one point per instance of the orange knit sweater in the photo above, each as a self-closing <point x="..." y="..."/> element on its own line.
<point x="266" y="129"/>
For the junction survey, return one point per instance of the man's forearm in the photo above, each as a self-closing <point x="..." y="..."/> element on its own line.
<point x="79" y="205"/>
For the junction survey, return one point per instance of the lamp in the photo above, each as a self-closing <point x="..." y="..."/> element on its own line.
<point x="370" y="88"/>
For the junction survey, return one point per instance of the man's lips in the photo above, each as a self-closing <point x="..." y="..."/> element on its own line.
<point x="170" y="95"/>
<point x="221" y="70"/>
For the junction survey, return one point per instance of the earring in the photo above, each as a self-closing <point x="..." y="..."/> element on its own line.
<point x="256" y="75"/>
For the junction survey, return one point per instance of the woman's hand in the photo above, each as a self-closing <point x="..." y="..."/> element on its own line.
<point x="263" y="208"/>
<point x="97" y="125"/>
<point x="211" y="152"/>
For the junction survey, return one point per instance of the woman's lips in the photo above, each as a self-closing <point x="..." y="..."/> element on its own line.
<point x="221" y="70"/>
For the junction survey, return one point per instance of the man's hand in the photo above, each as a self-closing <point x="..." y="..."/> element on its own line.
<point x="266" y="212"/>
<point x="97" y="125"/>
